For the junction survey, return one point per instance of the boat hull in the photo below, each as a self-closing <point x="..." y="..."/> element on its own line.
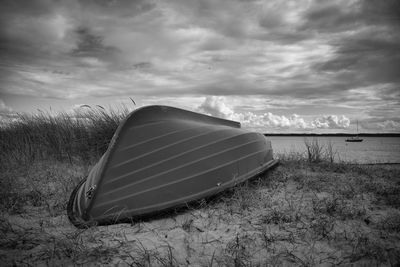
<point x="354" y="139"/>
<point x="163" y="157"/>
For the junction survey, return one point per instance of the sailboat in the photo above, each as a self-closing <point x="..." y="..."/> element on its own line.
<point x="354" y="138"/>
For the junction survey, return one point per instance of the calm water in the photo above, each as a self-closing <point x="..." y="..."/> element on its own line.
<point x="371" y="150"/>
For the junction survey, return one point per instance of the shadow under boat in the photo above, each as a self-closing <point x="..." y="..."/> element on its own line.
<point x="162" y="158"/>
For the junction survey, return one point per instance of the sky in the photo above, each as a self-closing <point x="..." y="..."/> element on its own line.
<point x="275" y="66"/>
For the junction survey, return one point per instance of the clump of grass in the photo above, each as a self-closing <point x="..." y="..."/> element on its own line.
<point x="46" y="184"/>
<point x="33" y="244"/>
<point x="237" y="251"/>
<point x="337" y="206"/>
<point x="278" y="217"/>
<point x="372" y="250"/>
<point x="317" y="152"/>
<point x="80" y="136"/>
<point x="391" y="223"/>
<point x="314" y="150"/>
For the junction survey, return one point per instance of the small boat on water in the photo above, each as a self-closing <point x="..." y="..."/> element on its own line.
<point x="354" y="138"/>
<point x="163" y="157"/>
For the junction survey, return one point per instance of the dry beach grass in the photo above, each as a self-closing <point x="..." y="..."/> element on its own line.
<point x="307" y="211"/>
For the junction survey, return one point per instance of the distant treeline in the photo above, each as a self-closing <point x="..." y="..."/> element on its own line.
<point x="336" y="134"/>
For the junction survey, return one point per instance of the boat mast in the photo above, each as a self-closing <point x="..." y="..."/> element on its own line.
<point x="357" y="127"/>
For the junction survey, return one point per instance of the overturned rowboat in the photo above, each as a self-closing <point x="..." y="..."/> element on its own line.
<point x="162" y="157"/>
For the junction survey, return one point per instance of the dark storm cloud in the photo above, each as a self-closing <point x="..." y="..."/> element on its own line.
<point x="91" y="45"/>
<point x="21" y="33"/>
<point x="381" y="12"/>
<point x="44" y="27"/>
<point x="329" y="17"/>
<point x="366" y="46"/>
<point x="373" y="59"/>
<point x="47" y="46"/>
<point x="229" y="18"/>
<point x="117" y="8"/>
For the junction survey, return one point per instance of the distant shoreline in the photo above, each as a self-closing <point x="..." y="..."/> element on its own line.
<point x="335" y="134"/>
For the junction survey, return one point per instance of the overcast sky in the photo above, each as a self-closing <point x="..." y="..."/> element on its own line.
<point x="276" y="66"/>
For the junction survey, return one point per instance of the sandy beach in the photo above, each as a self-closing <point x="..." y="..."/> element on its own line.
<point x="298" y="213"/>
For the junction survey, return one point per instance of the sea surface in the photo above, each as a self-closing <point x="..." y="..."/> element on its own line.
<point x="371" y="150"/>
